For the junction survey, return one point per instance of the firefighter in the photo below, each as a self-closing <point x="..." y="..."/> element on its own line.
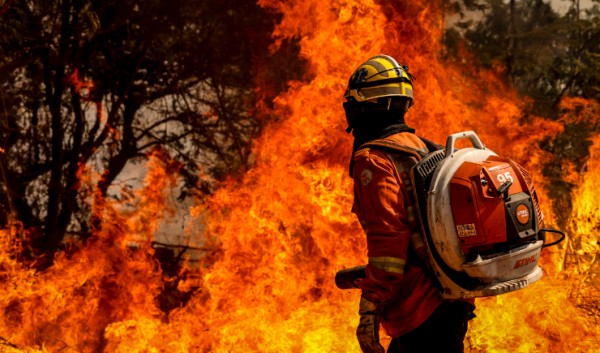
<point x="398" y="290"/>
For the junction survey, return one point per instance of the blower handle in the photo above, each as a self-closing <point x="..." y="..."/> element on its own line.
<point x="461" y="135"/>
<point x="348" y="278"/>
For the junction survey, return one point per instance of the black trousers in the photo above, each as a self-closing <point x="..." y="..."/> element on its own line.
<point x="443" y="332"/>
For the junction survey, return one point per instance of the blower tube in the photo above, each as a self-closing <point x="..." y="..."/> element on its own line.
<point x="543" y="232"/>
<point x="348" y="278"/>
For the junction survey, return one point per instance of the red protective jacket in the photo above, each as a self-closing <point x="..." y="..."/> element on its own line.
<point x="384" y="205"/>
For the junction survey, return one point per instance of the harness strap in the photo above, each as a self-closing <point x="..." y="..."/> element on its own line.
<point x="391" y="145"/>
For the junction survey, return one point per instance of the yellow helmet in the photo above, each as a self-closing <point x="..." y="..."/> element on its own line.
<point x="380" y="76"/>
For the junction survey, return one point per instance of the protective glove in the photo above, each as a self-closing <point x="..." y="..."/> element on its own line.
<point x="367" y="331"/>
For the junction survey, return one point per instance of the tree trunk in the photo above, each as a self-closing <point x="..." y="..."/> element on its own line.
<point x="69" y="201"/>
<point x="511" y="45"/>
<point x="52" y="232"/>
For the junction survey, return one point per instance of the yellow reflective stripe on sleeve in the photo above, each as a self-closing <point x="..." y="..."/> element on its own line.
<point x="389" y="264"/>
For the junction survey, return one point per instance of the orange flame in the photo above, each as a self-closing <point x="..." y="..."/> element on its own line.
<point x="283" y="230"/>
<point x="71" y="304"/>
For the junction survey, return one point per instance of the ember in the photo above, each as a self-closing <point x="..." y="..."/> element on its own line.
<point x="283" y="230"/>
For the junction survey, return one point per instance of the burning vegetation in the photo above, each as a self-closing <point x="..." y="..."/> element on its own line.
<point x="275" y="236"/>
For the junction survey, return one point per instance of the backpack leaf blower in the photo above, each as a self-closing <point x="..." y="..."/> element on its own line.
<point x="480" y="220"/>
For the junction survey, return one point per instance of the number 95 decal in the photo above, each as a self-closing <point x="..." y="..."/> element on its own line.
<point x="503" y="178"/>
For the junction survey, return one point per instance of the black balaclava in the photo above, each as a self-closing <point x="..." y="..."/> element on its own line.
<point x="376" y="124"/>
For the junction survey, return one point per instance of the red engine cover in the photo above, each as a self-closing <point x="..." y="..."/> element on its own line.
<point x="477" y="205"/>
